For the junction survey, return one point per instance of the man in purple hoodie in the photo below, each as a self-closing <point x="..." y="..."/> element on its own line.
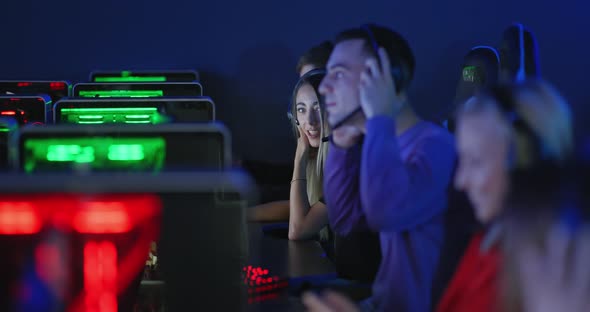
<point x="387" y="170"/>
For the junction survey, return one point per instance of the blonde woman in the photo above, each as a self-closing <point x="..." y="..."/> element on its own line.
<point x="305" y="209"/>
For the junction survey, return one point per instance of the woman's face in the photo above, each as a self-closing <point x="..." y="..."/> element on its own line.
<point x="307" y="109"/>
<point x="483" y="143"/>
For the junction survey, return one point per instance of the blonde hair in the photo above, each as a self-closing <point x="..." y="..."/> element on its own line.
<point x="315" y="167"/>
<point x="543" y="110"/>
<point x="315" y="174"/>
<point x="549" y="116"/>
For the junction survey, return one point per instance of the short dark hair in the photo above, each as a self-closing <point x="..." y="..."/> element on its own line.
<point x="317" y="56"/>
<point x="397" y="47"/>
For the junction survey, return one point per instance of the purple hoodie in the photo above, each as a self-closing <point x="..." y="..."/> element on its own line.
<point x="396" y="186"/>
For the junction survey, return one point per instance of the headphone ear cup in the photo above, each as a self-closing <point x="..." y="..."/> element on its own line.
<point x="293" y="119"/>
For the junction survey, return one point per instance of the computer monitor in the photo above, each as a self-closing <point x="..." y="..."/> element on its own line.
<point x="144" y="76"/>
<point x="26" y="109"/>
<point x="152" y="148"/>
<point x="137" y="90"/>
<point x="74" y="242"/>
<point x="134" y="110"/>
<point x="56" y="89"/>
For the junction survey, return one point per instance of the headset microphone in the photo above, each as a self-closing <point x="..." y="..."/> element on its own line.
<point x="347" y="118"/>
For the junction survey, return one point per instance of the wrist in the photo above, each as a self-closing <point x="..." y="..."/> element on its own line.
<point x="299" y="174"/>
<point x="298" y="181"/>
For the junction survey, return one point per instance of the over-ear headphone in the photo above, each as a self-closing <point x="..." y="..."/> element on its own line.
<point x="396" y="67"/>
<point x="505" y="98"/>
<point x="396" y="70"/>
<point x="313" y="74"/>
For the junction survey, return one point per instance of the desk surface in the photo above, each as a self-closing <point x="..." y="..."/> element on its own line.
<point x="296" y="260"/>
<point x="286" y="258"/>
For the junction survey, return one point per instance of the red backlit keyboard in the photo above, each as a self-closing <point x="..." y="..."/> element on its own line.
<point x="261" y="284"/>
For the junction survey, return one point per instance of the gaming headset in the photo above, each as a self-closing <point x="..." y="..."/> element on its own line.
<point x="504" y="96"/>
<point x="396" y="71"/>
<point x="306" y="78"/>
<point x="310" y="75"/>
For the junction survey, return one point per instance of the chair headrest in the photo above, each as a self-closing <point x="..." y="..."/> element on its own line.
<point x="479" y="71"/>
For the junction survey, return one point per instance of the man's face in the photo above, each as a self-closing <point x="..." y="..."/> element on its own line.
<point x="340" y="87"/>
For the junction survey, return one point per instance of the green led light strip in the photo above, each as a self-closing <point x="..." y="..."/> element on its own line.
<point x="130" y="79"/>
<point x="99" y="115"/>
<point x="94" y="153"/>
<point x="91" y="117"/>
<point x="110" y="109"/>
<point x="121" y="93"/>
<point x="137" y="116"/>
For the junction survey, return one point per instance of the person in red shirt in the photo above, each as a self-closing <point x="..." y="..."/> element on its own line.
<point x="504" y="129"/>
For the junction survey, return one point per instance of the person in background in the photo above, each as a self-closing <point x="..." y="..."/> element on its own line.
<point x="305" y="209"/>
<point x="314" y="58"/>
<point x="272" y="177"/>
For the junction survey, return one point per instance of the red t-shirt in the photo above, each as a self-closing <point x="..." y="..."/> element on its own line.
<point x="474" y="287"/>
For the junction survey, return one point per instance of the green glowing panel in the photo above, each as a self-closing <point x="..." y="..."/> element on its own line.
<point x="70" y="153"/>
<point x="94" y="153"/>
<point x="129" y="115"/>
<point x="469" y="73"/>
<point x="126" y="152"/>
<point x="130" y="79"/>
<point x="122" y="93"/>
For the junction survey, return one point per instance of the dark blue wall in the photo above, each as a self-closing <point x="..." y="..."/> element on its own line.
<point x="246" y="51"/>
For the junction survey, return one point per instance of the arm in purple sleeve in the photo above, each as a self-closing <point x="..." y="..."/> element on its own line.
<point x="397" y="195"/>
<point x="341" y="189"/>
